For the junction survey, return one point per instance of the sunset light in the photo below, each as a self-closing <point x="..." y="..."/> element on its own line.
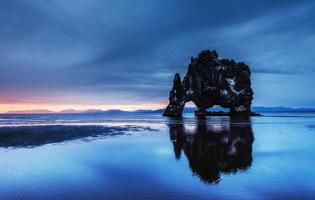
<point x="56" y="108"/>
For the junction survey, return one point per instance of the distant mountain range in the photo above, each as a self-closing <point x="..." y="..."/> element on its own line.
<point x="158" y="111"/>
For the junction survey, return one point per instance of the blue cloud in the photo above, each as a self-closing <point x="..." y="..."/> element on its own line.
<point x="132" y="49"/>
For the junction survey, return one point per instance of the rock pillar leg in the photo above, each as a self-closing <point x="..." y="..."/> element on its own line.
<point x="200" y="112"/>
<point x="177" y="99"/>
<point x="240" y="110"/>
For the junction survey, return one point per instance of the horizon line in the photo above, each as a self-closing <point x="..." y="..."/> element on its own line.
<point x="96" y="110"/>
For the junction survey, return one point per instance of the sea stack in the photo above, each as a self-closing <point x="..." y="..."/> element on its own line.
<point x="212" y="81"/>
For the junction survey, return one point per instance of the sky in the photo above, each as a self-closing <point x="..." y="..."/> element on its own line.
<point x="81" y="54"/>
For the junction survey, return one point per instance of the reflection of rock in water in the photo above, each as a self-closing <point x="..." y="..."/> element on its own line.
<point x="212" y="149"/>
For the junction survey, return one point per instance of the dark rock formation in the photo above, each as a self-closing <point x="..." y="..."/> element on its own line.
<point x="214" y="149"/>
<point x="177" y="98"/>
<point x="212" y="81"/>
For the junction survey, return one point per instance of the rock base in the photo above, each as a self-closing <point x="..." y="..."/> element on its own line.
<point x="221" y="113"/>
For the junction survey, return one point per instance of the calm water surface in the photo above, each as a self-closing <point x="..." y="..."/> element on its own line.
<point x="151" y="157"/>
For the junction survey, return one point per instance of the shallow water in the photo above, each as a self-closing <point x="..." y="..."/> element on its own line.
<point x="151" y="157"/>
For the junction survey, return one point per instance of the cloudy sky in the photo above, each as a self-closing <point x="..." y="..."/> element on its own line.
<point x="58" y="54"/>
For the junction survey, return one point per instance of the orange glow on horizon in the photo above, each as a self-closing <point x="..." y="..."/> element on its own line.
<point x="52" y="107"/>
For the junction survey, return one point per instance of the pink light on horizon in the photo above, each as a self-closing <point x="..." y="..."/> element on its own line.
<point x="59" y="107"/>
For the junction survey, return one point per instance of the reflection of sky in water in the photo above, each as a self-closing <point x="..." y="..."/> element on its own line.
<point x="143" y="165"/>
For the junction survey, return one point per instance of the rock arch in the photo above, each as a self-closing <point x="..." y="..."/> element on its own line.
<point x="212" y="81"/>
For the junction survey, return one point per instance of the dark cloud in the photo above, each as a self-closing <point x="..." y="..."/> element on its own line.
<point x="130" y="50"/>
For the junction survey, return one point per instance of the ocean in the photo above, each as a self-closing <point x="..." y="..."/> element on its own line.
<point x="147" y="156"/>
